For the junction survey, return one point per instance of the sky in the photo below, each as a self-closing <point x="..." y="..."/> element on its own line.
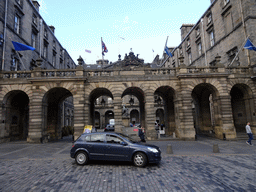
<point x="124" y="25"/>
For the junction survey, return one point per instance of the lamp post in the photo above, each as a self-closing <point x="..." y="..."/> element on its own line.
<point x="103" y="105"/>
<point x="131" y="101"/>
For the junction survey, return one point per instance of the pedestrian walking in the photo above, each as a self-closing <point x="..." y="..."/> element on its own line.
<point x="249" y="133"/>
<point x="141" y="134"/>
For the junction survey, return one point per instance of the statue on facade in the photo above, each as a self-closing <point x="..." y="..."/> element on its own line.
<point x="125" y="111"/>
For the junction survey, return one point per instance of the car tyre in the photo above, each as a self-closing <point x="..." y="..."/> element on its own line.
<point x="81" y="158"/>
<point x="140" y="159"/>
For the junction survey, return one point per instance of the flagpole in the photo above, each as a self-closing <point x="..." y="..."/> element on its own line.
<point x="102" y="52"/>
<point x="238" y="51"/>
<point x="164" y="47"/>
<point x="20" y="61"/>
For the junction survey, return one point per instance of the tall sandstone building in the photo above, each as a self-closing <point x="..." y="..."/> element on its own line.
<point x="221" y="31"/>
<point x="20" y="21"/>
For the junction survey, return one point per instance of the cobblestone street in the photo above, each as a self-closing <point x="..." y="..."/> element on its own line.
<point x="192" y="167"/>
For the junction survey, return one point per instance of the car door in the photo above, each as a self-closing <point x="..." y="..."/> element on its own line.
<point x="97" y="141"/>
<point x="115" y="148"/>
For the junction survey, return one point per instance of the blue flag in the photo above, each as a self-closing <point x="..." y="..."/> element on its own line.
<point x="167" y="51"/>
<point x="249" y="45"/>
<point x="21" y="47"/>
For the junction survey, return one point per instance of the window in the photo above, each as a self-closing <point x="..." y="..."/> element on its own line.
<point x="54" y="58"/>
<point x="226" y="2"/>
<point x="199" y="46"/>
<point x="45" y="51"/>
<point x="197" y="31"/>
<point x="14" y="64"/>
<point x="211" y="38"/>
<point x="54" y="44"/>
<point x="33" y="40"/>
<point x="114" y="139"/>
<point x="45" y="34"/>
<point x="189" y="57"/>
<point x="34" y="20"/>
<point x="209" y="19"/>
<point x="188" y="42"/>
<point x="97" y="138"/>
<point x="17" y="24"/>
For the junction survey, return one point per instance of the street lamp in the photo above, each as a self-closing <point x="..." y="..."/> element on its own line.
<point x="102" y="102"/>
<point x="158" y="101"/>
<point x="131" y="101"/>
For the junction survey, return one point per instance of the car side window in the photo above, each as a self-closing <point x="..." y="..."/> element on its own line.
<point x="99" y="138"/>
<point x="113" y="139"/>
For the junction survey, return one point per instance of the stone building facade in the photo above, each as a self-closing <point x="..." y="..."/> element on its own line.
<point x="20" y="21"/>
<point x="222" y="30"/>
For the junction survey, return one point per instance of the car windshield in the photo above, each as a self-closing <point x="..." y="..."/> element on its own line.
<point x="127" y="138"/>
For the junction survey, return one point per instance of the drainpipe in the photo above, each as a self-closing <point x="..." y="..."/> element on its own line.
<point x="202" y="21"/>
<point x="40" y="31"/>
<point x="245" y="33"/>
<point x="5" y="21"/>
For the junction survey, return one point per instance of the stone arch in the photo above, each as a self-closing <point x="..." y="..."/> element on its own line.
<point x="15" y="115"/>
<point x="134" y="116"/>
<point x="205" y="105"/>
<point x="133" y="97"/>
<point x="243" y="108"/>
<point x="52" y="108"/>
<point x="98" y="101"/>
<point x="165" y="97"/>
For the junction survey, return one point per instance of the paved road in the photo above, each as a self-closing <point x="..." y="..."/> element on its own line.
<point x="192" y="167"/>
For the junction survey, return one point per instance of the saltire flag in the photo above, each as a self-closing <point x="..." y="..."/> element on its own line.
<point x="88" y="51"/>
<point x="167" y="51"/>
<point x="104" y="48"/>
<point x="249" y="45"/>
<point x="21" y="47"/>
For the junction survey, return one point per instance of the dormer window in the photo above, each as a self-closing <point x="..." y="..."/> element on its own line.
<point x="197" y="31"/>
<point x="226" y="2"/>
<point x="45" y="34"/>
<point x="34" y="20"/>
<point x="188" y="42"/>
<point x="54" y="44"/>
<point x="209" y="19"/>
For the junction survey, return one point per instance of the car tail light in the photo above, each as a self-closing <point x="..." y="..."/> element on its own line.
<point x="73" y="145"/>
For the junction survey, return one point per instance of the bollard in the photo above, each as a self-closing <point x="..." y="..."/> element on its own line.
<point x="169" y="149"/>
<point x="216" y="148"/>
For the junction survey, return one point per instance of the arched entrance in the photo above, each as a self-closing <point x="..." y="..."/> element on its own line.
<point x="133" y="99"/>
<point x="54" y="111"/>
<point x="134" y="117"/>
<point x="242" y="106"/>
<point x="205" y="109"/>
<point x="15" y="109"/>
<point x="164" y="99"/>
<point x="101" y="100"/>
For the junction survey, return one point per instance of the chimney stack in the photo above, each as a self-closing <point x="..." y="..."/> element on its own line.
<point x="52" y="28"/>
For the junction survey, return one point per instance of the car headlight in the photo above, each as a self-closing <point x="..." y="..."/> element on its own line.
<point x="152" y="149"/>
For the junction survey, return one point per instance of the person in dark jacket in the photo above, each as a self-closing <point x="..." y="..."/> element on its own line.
<point x="141" y="134"/>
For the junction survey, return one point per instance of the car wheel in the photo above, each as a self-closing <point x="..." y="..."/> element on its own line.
<point x="81" y="158"/>
<point x="140" y="159"/>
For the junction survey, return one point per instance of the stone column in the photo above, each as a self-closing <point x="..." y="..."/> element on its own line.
<point x="150" y="117"/>
<point x="184" y="114"/>
<point x="36" y="117"/>
<point x="226" y="128"/>
<point x="79" y="110"/>
<point x="117" y="102"/>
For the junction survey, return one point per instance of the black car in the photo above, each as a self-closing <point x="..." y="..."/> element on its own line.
<point x="113" y="147"/>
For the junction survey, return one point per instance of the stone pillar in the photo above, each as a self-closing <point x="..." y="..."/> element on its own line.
<point x="36" y="117"/>
<point x="150" y="117"/>
<point x="79" y="110"/>
<point x="184" y="115"/>
<point x="226" y="119"/>
<point x="117" y="102"/>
